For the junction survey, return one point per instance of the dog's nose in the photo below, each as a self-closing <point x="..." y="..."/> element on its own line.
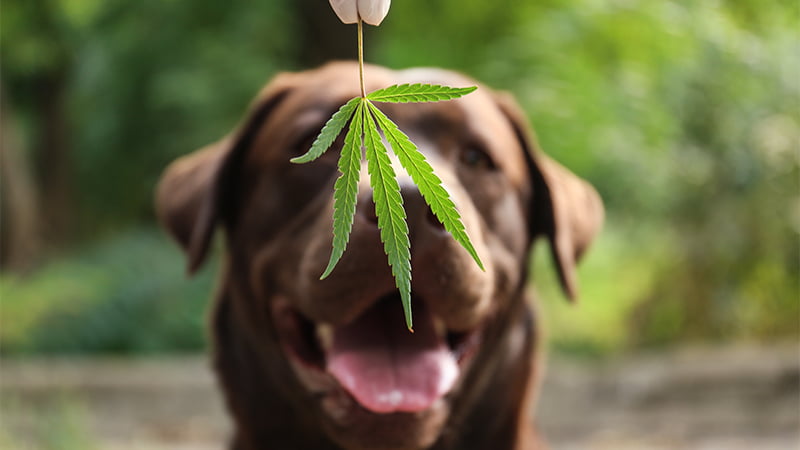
<point x="419" y="216"/>
<point x="417" y="209"/>
<point x="366" y="208"/>
<point x="418" y="213"/>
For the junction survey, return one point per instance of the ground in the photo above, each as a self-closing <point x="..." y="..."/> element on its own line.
<point x="731" y="399"/>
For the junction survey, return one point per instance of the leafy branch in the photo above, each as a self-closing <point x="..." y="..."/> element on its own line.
<point x="364" y="132"/>
<point x="366" y="123"/>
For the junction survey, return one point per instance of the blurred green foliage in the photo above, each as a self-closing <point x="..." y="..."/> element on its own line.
<point x="127" y="294"/>
<point x="147" y="81"/>
<point x="684" y="114"/>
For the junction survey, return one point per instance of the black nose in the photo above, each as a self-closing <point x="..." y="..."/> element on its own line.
<point x="418" y="214"/>
<point x="366" y="208"/>
<point x="432" y="220"/>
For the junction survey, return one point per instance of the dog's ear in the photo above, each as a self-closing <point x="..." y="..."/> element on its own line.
<point x="196" y="191"/>
<point x="566" y="209"/>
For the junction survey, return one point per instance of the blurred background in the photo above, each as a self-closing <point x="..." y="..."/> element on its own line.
<point x="685" y="115"/>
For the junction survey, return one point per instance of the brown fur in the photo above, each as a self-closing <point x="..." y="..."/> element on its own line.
<point x="277" y="222"/>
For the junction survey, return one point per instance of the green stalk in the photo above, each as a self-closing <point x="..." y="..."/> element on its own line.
<point x="361" y="56"/>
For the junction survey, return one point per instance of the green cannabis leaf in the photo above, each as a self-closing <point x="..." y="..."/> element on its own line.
<point x="390" y="212"/>
<point x="346" y="187"/>
<point x="405" y="93"/>
<point x="430" y="186"/>
<point x="366" y="123"/>
<point x="330" y="131"/>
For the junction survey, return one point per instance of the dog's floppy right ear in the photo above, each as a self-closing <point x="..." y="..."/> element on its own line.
<point x="195" y="191"/>
<point x="566" y="209"/>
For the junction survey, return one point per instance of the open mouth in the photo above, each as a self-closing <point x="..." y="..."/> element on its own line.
<point x="374" y="358"/>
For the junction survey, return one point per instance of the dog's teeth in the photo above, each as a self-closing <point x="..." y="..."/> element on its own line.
<point x="441" y="329"/>
<point x="325" y="335"/>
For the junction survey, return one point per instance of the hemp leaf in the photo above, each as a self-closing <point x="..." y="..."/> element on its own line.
<point x="405" y="93"/>
<point x="346" y="187"/>
<point x="430" y="186"/>
<point x="366" y="124"/>
<point x="329" y="132"/>
<point x="390" y="212"/>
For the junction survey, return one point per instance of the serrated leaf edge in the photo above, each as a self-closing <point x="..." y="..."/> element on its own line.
<point x="391" y="221"/>
<point x="329" y="132"/>
<point x="430" y="185"/>
<point x="418" y="93"/>
<point x="345" y="193"/>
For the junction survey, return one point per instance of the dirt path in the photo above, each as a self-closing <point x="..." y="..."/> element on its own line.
<point x="742" y="398"/>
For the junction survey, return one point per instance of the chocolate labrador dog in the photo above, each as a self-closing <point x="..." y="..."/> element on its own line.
<point x="326" y="364"/>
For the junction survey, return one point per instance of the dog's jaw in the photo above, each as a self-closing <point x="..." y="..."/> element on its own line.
<point x="374" y="371"/>
<point x="385" y="367"/>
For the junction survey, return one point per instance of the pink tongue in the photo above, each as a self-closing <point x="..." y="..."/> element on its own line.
<point x="386" y="367"/>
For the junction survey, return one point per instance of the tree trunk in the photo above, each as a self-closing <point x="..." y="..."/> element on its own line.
<point x="20" y="219"/>
<point x="324" y="37"/>
<point x="54" y="160"/>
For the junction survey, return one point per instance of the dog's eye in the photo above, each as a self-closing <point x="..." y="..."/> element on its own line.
<point x="476" y="157"/>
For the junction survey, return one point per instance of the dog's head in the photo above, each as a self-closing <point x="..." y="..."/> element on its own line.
<point x="339" y="346"/>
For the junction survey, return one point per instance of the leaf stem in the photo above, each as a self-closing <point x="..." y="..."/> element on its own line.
<point x="361" y="56"/>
